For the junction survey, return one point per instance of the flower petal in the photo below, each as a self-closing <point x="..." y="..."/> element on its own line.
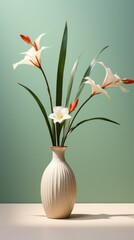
<point x="32" y="56"/>
<point x="24" y="61"/>
<point x="96" y="88"/>
<point x="125" y="90"/>
<point x="110" y="79"/>
<point x="57" y="108"/>
<point x="65" y="111"/>
<point x="31" y="52"/>
<point x="60" y="114"/>
<point x="37" y="41"/>
<point x="38" y="53"/>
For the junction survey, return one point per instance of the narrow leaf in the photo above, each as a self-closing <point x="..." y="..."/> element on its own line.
<point x="90" y="119"/>
<point x="87" y="73"/>
<point x="60" y="73"/>
<point x="70" y="84"/>
<point x="87" y="120"/>
<point x="42" y="110"/>
<point x="61" y="64"/>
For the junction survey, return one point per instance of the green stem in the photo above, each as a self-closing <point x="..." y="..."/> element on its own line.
<point x="51" y="103"/>
<point x="64" y="138"/>
<point x="80" y="109"/>
<point x="48" y="88"/>
<point x="56" y="133"/>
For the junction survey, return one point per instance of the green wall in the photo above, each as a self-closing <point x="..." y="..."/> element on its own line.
<point x="101" y="154"/>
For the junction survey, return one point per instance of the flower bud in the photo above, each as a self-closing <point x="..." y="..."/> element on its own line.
<point x="73" y="105"/>
<point x="127" y="81"/>
<point x="26" y="39"/>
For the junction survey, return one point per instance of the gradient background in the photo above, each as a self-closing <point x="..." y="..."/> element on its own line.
<point x="101" y="154"/>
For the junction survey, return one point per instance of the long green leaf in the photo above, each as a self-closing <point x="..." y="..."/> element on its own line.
<point x="42" y="110"/>
<point x="84" y="121"/>
<point x="61" y="64"/>
<point x="87" y="73"/>
<point x="70" y="84"/>
<point x="60" y="73"/>
<point x="91" y="119"/>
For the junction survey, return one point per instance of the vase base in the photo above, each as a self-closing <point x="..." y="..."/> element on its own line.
<point x="64" y="217"/>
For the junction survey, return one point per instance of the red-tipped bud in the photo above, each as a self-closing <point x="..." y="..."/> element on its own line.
<point x="73" y="105"/>
<point x="127" y="81"/>
<point x="26" y="39"/>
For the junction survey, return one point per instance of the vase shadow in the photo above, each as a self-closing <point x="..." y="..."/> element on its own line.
<point x="97" y="216"/>
<point x="77" y="216"/>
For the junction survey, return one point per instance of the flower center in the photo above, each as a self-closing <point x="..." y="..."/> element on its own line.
<point x="59" y="116"/>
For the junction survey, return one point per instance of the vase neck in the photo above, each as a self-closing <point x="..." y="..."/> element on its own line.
<point x="58" y="153"/>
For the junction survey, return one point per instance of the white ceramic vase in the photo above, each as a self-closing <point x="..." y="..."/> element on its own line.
<point x="58" y="186"/>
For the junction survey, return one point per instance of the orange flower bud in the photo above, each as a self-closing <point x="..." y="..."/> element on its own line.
<point x="127" y="81"/>
<point x="73" y="105"/>
<point x="26" y="39"/>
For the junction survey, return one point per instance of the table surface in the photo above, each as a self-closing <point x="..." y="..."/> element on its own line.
<point x="88" y="221"/>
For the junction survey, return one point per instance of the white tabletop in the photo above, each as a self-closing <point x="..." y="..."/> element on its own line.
<point x="88" y="221"/>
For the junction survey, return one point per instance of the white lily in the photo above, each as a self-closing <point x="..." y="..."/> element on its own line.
<point x="96" y="88"/>
<point x="111" y="80"/>
<point x="33" y="55"/>
<point x="59" y="114"/>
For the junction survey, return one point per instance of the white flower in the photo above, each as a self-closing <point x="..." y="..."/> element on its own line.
<point x="33" y="55"/>
<point x="59" y="114"/>
<point x="96" y="88"/>
<point x="111" y="80"/>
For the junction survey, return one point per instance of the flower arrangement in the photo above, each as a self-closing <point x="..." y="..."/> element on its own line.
<point x="61" y="121"/>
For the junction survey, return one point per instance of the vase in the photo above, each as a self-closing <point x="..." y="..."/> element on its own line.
<point x="58" y="186"/>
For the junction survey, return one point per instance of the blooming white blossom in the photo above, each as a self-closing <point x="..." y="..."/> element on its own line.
<point x="59" y="114"/>
<point x="111" y="80"/>
<point x="96" y="88"/>
<point x="33" y="55"/>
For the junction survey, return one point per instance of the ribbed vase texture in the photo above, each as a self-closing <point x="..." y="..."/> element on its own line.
<point x="58" y="186"/>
